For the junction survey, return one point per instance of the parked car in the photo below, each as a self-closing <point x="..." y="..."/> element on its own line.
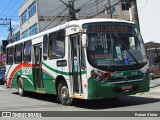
<point x="2" y="77"/>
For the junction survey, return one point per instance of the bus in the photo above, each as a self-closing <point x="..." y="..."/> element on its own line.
<point x="85" y="59"/>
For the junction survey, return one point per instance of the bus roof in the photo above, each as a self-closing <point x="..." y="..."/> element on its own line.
<point x="83" y="21"/>
<point x="67" y="24"/>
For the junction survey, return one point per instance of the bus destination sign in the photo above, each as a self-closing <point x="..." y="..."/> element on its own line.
<point x="110" y="28"/>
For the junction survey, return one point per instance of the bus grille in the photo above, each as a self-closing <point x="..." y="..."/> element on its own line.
<point x="124" y="80"/>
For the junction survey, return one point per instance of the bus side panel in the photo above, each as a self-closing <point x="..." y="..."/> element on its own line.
<point x="49" y="76"/>
<point x="25" y="73"/>
<point x="10" y="72"/>
<point x="49" y="83"/>
<point x="28" y="79"/>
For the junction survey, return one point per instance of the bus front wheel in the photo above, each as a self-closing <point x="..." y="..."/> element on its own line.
<point x="63" y="94"/>
<point x="21" y="91"/>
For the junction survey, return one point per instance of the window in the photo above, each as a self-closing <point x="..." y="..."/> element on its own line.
<point x="57" y="44"/>
<point x="25" y="34"/>
<point x="33" y="29"/>
<point x="18" y="53"/>
<point x="17" y="36"/>
<point x="125" y="6"/>
<point x="27" y="51"/>
<point x="45" y="47"/>
<point x="24" y="17"/>
<point x="32" y="9"/>
<point x="10" y="53"/>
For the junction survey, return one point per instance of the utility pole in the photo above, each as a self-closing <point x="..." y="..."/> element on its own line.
<point x="134" y="12"/>
<point x="72" y="11"/>
<point x="72" y="14"/>
<point x="96" y="6"/>
<point x="110" y="9"/>
<point x="8" y="22"/>
<point x="10" y="30"/>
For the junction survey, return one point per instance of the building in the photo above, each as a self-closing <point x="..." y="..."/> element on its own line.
<point x="16" y="34"/>
<point x="153" y="53"/>
<point x="39" y="15"/>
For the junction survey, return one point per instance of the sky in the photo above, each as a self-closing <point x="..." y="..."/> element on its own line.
<point x="149" y="18"/>
<point x="148" y="11"/>
<point x="9" y="9"/>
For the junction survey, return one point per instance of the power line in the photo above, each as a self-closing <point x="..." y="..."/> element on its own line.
<point x="10" y="26"/>
<point x="82" y="6"/>
<point x="12" y="7"/>
<point x="16" y="10"/>
<point x="72" y="10"/>
<point x="62" y="20"/>
<point x="105" y="9"/>
<point x="92" y="4"/>
<point x="91" y="11"/>
<point x="54" y="19"/>
<point x="91" y="7"/>
<point x="87" y="8"/>
<point x="7" y="6"/>
<point x="54" y="10"/>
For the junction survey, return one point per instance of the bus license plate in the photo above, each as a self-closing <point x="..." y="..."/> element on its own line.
<point x="126" y="87"/>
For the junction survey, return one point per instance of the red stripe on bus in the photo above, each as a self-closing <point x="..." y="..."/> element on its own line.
<point x="16" y="69"/>
<point x="47" y="72"/>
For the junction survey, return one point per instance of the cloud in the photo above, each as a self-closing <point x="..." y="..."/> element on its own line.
<point x="15" y="23"/>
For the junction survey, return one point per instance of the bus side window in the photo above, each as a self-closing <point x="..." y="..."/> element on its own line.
<point x="27" y="51"/>
<point x="56" y="45"/>
<point x="10" y="55"/>
<point x="45" y="47"/>
<point x="18" y="53"/>
<point x="51" y="51"/>
<point x="60" y="44"/>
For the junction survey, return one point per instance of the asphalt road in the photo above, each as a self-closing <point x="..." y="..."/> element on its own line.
<point x="11" y="101"/>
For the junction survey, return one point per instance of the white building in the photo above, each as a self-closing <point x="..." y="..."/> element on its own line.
<point x="39" y="15"/>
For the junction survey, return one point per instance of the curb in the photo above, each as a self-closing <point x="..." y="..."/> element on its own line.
<point x="153" y="86"/>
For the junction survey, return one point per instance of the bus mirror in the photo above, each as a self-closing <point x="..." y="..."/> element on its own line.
<point x="84" y="40"/>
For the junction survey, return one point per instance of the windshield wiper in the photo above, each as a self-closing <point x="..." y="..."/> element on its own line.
<point x="137" y="63"/>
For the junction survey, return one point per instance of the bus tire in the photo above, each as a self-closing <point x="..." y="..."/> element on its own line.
<point x="63" y="94"/>
<point x="115" y="98"/>
<point x="20" y="86"/>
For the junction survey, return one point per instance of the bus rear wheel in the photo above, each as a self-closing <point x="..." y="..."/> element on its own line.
<point x="63" y="94"/>
<point x="21" y="91"/>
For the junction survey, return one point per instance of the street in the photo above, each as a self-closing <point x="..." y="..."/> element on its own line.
<point x="11" y="101"/>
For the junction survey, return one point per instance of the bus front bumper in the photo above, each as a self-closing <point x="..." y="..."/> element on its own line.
<point x="98" y="90"/>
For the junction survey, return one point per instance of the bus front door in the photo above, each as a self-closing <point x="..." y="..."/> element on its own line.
<point x="76" y="65"/>
<point x="38" y="70"/>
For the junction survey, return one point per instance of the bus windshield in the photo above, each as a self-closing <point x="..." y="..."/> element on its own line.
<point x="115" y="46"/>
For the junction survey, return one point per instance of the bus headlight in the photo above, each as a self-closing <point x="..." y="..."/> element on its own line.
<point x="96" y="76"/>
<point x="100" y="77"/>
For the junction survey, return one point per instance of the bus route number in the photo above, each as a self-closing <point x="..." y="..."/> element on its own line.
<point x="26" y="71"/>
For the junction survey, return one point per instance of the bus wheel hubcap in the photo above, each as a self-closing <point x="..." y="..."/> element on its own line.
<point x="64" y="93"/>
<point x="20" y="87"/>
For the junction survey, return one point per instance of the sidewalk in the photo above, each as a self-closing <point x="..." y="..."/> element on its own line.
<point x="155" y="83"/>
<point x="154" y="89"/>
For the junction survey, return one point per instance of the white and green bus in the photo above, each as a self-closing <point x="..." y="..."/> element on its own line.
<point x="85" y="59"/>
